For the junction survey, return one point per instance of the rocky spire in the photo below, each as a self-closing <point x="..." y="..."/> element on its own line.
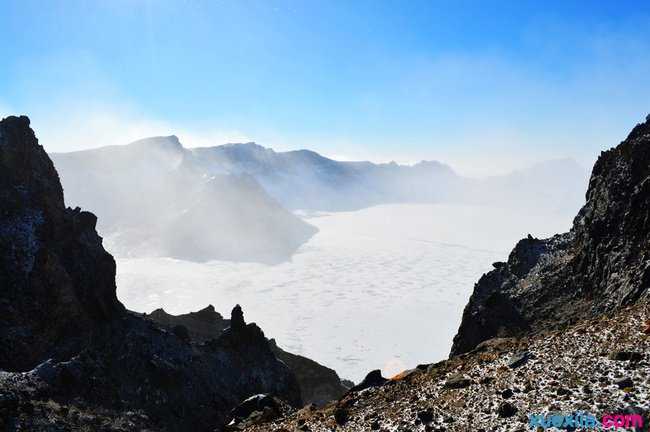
<point x="237" y="318"/>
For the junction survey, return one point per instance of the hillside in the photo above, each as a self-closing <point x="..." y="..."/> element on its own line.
<point x="498" y="386"/>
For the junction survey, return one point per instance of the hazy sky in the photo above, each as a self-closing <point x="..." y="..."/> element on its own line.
<point x="482" y="85"/>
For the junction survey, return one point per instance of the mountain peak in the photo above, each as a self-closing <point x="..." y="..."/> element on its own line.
<point x="170" y="142"/>
<point x="434" y="165"/>
<point x="248" y="147"/>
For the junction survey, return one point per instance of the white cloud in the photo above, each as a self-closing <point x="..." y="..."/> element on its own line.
<point x="206" y="138"/>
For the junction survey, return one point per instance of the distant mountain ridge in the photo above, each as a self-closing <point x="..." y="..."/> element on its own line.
<point x="296" y="167"/>
<point x="156" y="197"/>
<point x="304" y="179"/>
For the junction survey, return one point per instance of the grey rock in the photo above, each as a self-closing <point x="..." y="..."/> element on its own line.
<point x="268" y="405"/>
<point x="624" y="383"/>
<point x="626" y="356"/>
<point x="341" y="416"/>
<point x="457" y="381"/>
<point x="506" y="409"/>
<point x="425" y="416"/>
<point x="373" y="379"/>
<point x="519" y="359"/>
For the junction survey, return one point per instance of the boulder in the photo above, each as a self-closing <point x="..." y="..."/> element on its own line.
<point x="457" y="381"/>
<point x="519" y="359"/>
<point x="373" y="379"/>
<point x="506" y="409"/>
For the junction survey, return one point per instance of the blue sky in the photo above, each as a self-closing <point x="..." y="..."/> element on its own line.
<point x="485" y="86"/>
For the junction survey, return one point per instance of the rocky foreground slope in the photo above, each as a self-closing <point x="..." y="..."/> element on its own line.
<point x="597" y="367"/>
<point x="559" y="329"/>
<point x="71" y="357"/>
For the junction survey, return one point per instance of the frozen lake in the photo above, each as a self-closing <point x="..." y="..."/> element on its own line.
<point x="382" y="287"/>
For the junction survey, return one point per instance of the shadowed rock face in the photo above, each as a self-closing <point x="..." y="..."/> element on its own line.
<point x="60" y="320"/>
<point x="601" y="264"/>
<point x="318" y="384"/>
<point x="58" y="282"/>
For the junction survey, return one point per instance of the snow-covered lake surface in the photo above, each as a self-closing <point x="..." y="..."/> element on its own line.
<point x="382" y="287"/>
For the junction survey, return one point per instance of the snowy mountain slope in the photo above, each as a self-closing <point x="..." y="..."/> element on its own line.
<point x="155" y="200"/>
<point x="303" y="179"/>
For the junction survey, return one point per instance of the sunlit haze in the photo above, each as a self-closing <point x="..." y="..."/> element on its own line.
<point x="484" y="87"/>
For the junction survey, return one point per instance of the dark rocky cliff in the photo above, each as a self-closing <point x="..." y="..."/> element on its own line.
<point x="603" y="263"/>
<point x="90" y="364"/>
<point x="58" y="282"/>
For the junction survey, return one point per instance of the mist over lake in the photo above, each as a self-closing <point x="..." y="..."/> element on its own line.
<point x="404" y="270"/>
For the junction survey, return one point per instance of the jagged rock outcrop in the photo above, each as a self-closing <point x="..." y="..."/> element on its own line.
<point x="257" y="409"/>
<point x="601" y="264"/>
<point x="202" y="325"/>
<point x="57" y="280"/>
<point x="61" y="322"/>
<point x="318" y="384"/>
